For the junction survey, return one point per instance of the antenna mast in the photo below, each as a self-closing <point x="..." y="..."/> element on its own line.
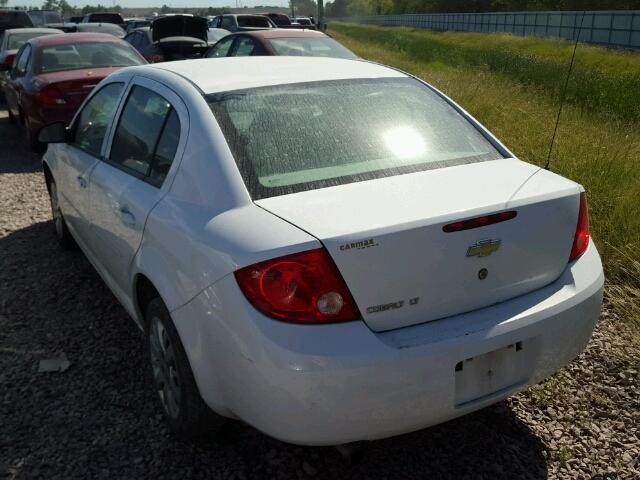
<point x="564" y="90"/>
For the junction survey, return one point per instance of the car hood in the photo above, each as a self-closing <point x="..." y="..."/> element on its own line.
<point x="179" y="26"/>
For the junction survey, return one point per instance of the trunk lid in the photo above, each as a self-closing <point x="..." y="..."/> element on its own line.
<point x="386" y="237"/>
<point x="75" y="85"/>
<point x="181" y="48"/>
<point x="179" y="26"/>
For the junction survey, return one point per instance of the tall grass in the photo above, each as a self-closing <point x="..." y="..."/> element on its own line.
<point x="511" y="85"/>
<point x="603" y="80"/>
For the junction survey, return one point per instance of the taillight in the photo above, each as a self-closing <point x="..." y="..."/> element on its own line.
<point x="8" y="60"/>
<point x="302" y="288"/>
<point x="155" y="58"/>
<point x="581" y="239"/>
<point x="51" y="95"/>
<point x="480" y="221"/>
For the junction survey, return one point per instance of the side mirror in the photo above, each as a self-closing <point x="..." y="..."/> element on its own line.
<point x="54" y="133"/>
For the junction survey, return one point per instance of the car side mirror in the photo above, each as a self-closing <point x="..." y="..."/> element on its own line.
<point x="54" y="133"/>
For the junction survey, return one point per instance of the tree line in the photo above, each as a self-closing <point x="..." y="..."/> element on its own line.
<point x="343" y="8"/>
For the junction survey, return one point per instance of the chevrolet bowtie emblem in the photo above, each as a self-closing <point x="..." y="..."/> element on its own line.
<point x="484" y="248"/>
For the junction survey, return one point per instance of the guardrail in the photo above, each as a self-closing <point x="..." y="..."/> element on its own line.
<point x="619" y="28"/>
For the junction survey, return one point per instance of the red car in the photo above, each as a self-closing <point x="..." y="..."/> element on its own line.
<point x="52" y="75"/>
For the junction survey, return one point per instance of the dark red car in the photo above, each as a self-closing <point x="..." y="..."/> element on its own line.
<point x="52" y="75"/>
<point x="278" y="41"/>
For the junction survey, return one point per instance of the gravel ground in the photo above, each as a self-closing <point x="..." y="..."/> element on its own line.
<point x="99" y="418"/>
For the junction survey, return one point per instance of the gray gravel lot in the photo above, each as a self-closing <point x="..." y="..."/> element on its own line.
<point x="99" y="419"/>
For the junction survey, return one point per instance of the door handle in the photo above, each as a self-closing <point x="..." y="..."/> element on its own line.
<point x="127" y="217"/>
<point x="82" y="181"/>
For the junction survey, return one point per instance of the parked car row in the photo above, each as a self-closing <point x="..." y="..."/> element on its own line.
<point x="52" y="74"/>
<point x="45" y="74"/>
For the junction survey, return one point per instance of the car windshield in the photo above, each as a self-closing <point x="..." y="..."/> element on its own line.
<point x="291" y="138"/>
<point x="16" y="40"/>
<point x="310" y="47"/>
<point x="87" y="55"/>
<point x="253" y="21"/>
<point x="303" y="21"/>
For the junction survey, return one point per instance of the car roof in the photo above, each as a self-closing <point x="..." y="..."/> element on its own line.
<point x="213" y="75"/>
<point x="9" y="31"/>
<point x="282" y="33"/>
<point x="67" y="38"/>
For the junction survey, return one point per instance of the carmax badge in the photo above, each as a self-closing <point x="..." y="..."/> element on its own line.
<point x="484" y="248"/>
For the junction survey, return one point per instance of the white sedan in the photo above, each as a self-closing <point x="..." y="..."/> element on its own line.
<point x="329" y="250"/>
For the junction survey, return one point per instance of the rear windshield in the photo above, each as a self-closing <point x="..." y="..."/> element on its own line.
<point x="280" y="19"/>
<point x="106" y="18"/>
<point x="253" y="21"/>
<point x="14" y="19"/>
<point x="16" y="40"/>
<point x="87" y="55"/>
<point x="291" y="138"/>
<point x="310" y="47"/>
<point x="110" y="28"/>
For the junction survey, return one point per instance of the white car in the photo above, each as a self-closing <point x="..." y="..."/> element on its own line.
<point x="328" y="249"/>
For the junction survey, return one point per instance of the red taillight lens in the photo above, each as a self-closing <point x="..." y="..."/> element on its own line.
<point x="155" y="58"/>
<point x="51" y="95"/>
<point x="302" y="288"/>
<point x="581" y="239"/>
<point x="480" y="221"/>
<point x="8" y="60"/>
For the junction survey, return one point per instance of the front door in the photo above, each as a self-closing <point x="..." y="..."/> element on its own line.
<point x="82" y="154"/>
<point x="130" y="181"/>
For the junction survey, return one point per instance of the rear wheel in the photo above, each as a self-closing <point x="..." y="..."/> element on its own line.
<point x="12" y="118"/>
<point x="63" y="235"/>
<point x="31" y="137"/>
<point x="173" y="379"/>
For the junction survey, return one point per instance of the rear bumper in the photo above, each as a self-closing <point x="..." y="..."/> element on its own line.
<point x="333" y="384"/>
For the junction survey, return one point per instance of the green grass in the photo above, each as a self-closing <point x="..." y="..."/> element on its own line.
<point x="512" y="85"/>
<point x="603" y="80"/>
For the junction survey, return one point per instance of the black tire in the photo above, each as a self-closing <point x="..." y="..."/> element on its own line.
<point x="179" y="397"/>
<point x="63" y="235"/>
<point x="12" y="118"/>
<point x="31" y="138"/>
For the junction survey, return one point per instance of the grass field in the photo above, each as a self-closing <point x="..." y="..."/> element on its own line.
<point x="512" y="85"/>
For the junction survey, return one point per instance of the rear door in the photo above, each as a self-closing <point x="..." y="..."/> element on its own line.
<point x="83" y="153"/>
<point x="150" y="132"/>
<point x="14" y="86"/>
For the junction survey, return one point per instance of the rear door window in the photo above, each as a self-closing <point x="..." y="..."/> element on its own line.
<point x="147" y="136"/>
<point x="221" y="49"/>
<point x="23" y="60"/>
<point x="245" y="47"/>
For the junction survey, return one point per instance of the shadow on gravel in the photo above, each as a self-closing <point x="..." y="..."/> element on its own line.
<point x="14" y="157"/>
<point x="100" y="419"/>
